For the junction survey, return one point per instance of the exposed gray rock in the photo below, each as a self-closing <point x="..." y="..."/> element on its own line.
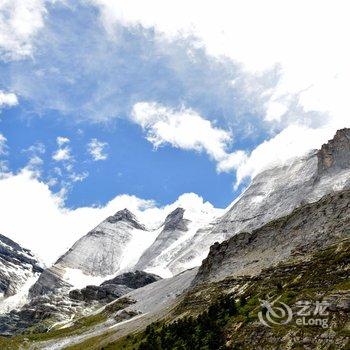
<point x="306" y="230"/>
<point x="133" y="280"/>
<point x="334" y="155"/>
<point x="61" y="303"/>
<point x="175" y="221"/>
<point x="276" y="192"/>
<point x="105" y="293"/>
<point x="125" y="215"/>
<point x="49" y="281"/>
<point x="173" y="228"/>
<point x="54" y="306"/>
<point x="114" y="288"/>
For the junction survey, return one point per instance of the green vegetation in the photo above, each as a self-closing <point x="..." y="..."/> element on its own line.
<point x="202" y="332"/>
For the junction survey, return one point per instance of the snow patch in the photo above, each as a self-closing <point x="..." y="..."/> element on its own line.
<point x="16" y="301"/>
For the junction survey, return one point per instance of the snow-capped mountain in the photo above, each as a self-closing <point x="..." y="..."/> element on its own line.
<point x="121" y="243"/>
<point x="274" y="193"/>
<point x="19" y="269"/>
<point x="179" y="227"/>
<point x="113" y="246"/>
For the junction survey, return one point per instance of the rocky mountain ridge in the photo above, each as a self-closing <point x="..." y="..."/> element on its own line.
<point x="183" y="242"/>
<point x="307" y="229"/>
<point x="18" y="267"/>
<point x="276" y="192"/>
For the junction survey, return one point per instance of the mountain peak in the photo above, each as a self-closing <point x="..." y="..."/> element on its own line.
<point x="125" y="215"/>
<point x="335" y="153"/>
<point x="175" y="220"/>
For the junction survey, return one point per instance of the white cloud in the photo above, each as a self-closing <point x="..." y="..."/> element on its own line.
<point x="313" y="56"/>
<point x="232" y="161"/>
<point x="8" y="99"/>
<point x="295" y="140"/>
<point x="78" y="177"/>
<point x="61" y="140"/>
<point x="20" y="21"/>
<point x="62" y="154"/>
<point x="96" y="149"/>
<point x="306" y="40"/>
<point x="187" y="130"/>
<point x="49" y="228"/>
<point x="35" y="162"/>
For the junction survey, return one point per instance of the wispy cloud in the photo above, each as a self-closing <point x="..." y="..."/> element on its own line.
<point x="311" y="94"/>
<point x="110" y="75"/>
<point x="152" y="52"/>
<point x="20" y="22"/>
<point x="35" y="161"/>
<point x="37" y="148"/>
<point x="96" y="149"/>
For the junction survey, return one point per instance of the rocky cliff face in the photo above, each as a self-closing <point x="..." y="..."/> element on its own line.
<point x="113" y="246"/>
<point x="307" y="229"/>
<point x="335" y="155"/>
<point x="276" y="192"/>
<point x="18" y="269"/>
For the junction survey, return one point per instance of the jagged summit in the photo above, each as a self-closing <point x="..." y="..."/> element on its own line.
<point x="125" y="215"/>
<point x="335" y="154"/>
<point x="111" y="247"/>
<point x="175" y="221"/>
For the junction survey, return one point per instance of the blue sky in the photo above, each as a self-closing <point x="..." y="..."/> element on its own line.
<point x="132" y="166"/>
<point x="81" y="84"/>
<point x="107" y="104"/>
